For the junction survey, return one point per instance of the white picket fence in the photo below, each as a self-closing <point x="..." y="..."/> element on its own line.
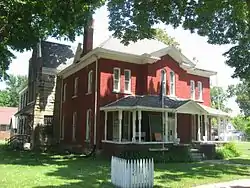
<point x="132" y="173"/>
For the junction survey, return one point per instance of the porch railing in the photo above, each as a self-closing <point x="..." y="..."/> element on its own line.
<point x="132" y="173"/>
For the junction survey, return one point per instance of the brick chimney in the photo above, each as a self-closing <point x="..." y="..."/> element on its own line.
<point x="88" y="37"/>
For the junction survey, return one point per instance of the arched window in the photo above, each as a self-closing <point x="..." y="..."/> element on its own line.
<point x="90" y="81"/>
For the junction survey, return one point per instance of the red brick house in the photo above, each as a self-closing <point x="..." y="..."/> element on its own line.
<point x="110" y="96"/>
<point x="7" y="122"/>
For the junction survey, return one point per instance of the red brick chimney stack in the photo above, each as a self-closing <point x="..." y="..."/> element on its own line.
<point x="88" y="37"/>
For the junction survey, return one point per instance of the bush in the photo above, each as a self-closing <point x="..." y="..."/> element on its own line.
<point x="174" y="154"/>
<point x="227" y="151"/>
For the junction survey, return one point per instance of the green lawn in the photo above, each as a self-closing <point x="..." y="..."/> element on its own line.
<point x="26" y="169"/>
<point x="244" y="148"/>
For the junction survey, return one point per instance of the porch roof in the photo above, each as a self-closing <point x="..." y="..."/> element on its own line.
<point x="146" y="101"/>
<point x="153" y="102"/>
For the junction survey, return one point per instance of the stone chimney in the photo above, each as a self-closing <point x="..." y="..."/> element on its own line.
<point x="88" y="38"/>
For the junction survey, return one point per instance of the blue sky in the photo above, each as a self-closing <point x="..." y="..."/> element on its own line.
<point x="208" y="56"/>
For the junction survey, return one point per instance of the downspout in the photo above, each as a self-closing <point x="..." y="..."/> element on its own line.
<point x="95" y="110"/>
<point x="61" y="101"/>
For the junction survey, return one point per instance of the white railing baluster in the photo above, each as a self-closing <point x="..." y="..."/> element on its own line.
<point x="132" y="173"/>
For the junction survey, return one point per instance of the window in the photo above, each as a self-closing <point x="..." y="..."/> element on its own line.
<point x="172" y="83"/>
<point x="127" y="81"/>
<point x="88" y="125"/>
<point x="48" y="120"/>
<point x="192" y="89"/>
<point x="64" y="91"/>
<point x="163" y="81"/>
<point x="4" y="127"/>
<point x="116" y="79"/>
<point x="75" y="86"/>
<point x="90" y="81"/>
<point x="200" y="92"/>
<point x="62" y="128"/>
<point x="74" y="126"/>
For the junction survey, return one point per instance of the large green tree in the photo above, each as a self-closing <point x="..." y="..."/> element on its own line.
<point x="242" y="93"/>
<point x="10" y="96"/>
<point x="24" y="22"/>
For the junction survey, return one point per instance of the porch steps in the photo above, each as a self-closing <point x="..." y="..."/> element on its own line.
<point x="196" y="155"/>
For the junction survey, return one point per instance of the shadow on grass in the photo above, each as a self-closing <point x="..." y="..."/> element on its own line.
<point x="94" y="172"/>
<point x="240" y="161"/>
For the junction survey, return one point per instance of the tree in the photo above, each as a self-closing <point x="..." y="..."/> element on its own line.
<point x="10" y="96"/>
<point x="24" y="22"/>
<point x="163" y="36"/>
<point x="218" y="98"/>
<point x="242" y="123"/>
<point x="242" y="93"/>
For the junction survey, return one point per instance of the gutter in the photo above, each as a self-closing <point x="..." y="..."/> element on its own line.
<point x="95" y="109"/>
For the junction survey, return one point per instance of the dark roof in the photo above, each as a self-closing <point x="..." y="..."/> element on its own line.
<point x="152" y="101"/>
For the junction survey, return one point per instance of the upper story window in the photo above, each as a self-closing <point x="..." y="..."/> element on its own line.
<point x="64" y="91"/>
<point x="163" y="80"/>
<point x="75" y="86"/>
<point x="172" y="83"/>
<point x="90" y="81"/>
<point x="200" y="90"/>
<point x="192" y="89"/>
<point x="116" y="79"/>
<point x="127" y="81"/>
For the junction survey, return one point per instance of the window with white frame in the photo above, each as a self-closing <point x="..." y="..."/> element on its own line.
<point x="88" y="125"/>
<point x="172" y="83"/>
<point x="64" y="91"/>
<point x="62" y="129"/>
<point x="192" y="89"/>
<point x="116" y="79"/>
<point x="75" y="86"/>
<point x="200" y="90"/>
<point x="90" y="81"/>
<point x="164" y="80"/>
<point x="74" y="126"/>
<point x="127" y="81"/>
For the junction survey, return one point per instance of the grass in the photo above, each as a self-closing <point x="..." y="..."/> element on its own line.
<point x="244" y="158"/>
<point x="27" y="169"/>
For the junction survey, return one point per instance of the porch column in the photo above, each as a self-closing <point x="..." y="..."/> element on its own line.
<point x="199" y="127"/>
<point x="139" y="124"/>
<point x="134" y="128"/>
<point x="225" y="128"/>
<point x="219" y="127"/>
<point x="206" y="127"/>
<point x="175" y="126"/>
<point x="120" y="125"/>
<point x="105" y="125"/>
<point x="166" y="126"/>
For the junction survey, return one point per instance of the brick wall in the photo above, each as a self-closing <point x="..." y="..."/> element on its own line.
<point x="4" y="135"/>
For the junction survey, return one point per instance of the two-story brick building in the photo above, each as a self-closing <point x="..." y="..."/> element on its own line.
<point x="111" y="96"/>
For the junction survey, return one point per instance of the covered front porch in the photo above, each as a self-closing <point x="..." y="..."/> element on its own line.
<point x="143" y="120"/>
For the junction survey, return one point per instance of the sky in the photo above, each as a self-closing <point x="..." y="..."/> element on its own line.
<point x="209" y="56"/>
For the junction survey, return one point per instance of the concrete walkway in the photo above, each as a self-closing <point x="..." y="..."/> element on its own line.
<point x="224" y="162"/>
<point x="244" y="183"/>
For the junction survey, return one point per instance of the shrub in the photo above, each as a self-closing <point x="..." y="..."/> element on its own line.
<point x="227" y="151"/>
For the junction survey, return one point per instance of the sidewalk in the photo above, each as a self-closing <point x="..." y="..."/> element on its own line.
<point x="244" y="183"/>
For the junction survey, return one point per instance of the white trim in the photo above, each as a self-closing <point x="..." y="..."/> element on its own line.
<point x="134" y="126"/>
<point x="172" y="89"/>
<point x="200" y="109"/>
<point x="98" y="52"/>
<point x="199" y="128"/>
<point x="127" y="81"/>
<point x="120" y="124"/>
<point x="23" y="90"/>
<point x="201" y="72"/>
<point x="105" y="124"/>
<point x="139" y="124"/>
<point x="118" y="79"/>
<point x="139" y="143"/>
<point x="90" y="82"/>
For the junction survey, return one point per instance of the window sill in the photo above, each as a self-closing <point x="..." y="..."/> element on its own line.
<point x="116" y="91"/>
<point x="74" y="96"/>
<point x="199" y="100"/>
<point x="87" y="141"/>
<point x="128" y="92"/>
<point x="89" y="93"/>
